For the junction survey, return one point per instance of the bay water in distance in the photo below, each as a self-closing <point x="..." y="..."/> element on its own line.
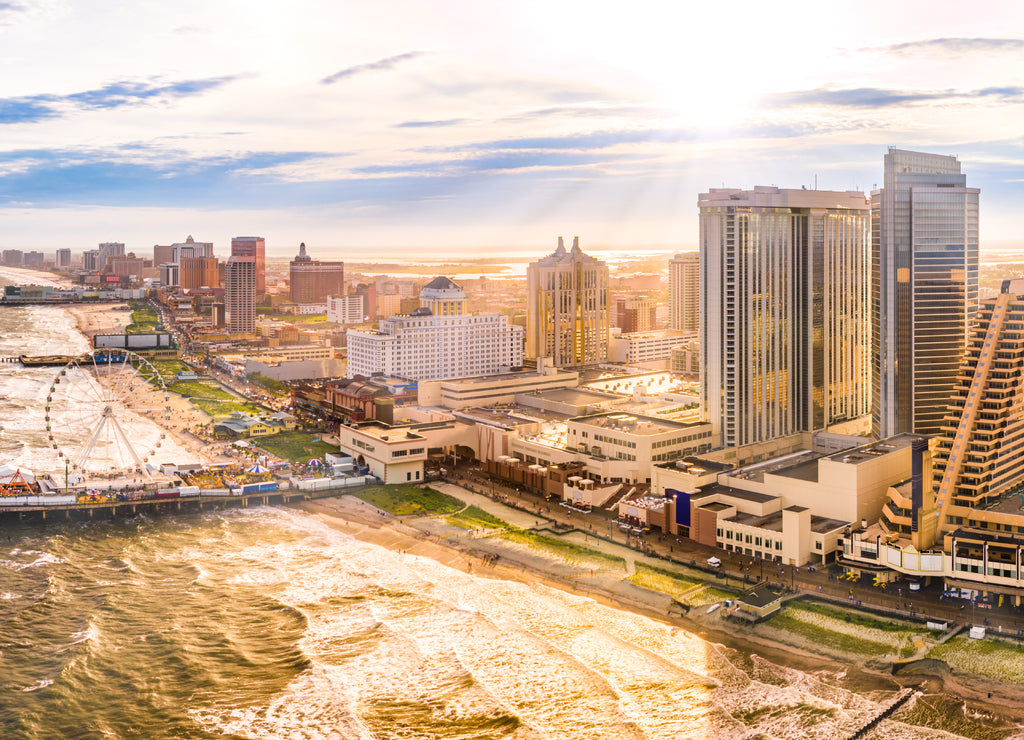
<point x="267" y="623"/>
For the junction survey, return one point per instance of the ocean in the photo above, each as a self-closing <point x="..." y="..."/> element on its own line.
<point x="268" y="623"/>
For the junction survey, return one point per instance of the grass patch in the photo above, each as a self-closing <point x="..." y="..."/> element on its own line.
<point x="846" y="631"/>
<point x="169" y="369"/>
<point x="404" y="500"/>
<point x="707" y="595"/>
<point x="826" y="637"/>
<point x="197" y="389"/>
<point x="473" y="517"/>
<point x="857" y="618"/>
<point x="220" y="409"/>
<point x="661" y="580"/>
<point x="998" y="659"/>
<point x="270" y="385"/>
<point x="295" y="446"/>
<point x="561" y="548"/>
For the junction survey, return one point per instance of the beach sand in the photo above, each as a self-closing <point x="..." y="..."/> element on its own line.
<point x="460" y="551"/>
<point x="105" y="318"/>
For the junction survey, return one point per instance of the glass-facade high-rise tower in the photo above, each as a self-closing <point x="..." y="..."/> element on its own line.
<point x="924" y="270"/>
<point x="785" y="326"/>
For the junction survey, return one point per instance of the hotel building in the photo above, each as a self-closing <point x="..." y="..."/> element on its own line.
<point x="785" y="334"/>
<point x="924" y="246"/>
<point x="567" y="307"/>
<point x="439" y="340"/>
<point x="256" y="247"/>
<point x="240" y="295"/>
<point x="311" y="281"/>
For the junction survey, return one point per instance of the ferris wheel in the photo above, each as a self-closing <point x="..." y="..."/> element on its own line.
<point x="96" y="409"/>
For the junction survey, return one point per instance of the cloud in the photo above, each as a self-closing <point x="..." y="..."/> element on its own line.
<point x="134" y="174"/>
<point x="431" y="124"/>
<point x="32" y="108"/>
<point x="592" y="111"/>
<point x="25" y="110"/>
<point x="952" y="46"/>
<point x="876" y="97"/>
<point x="378" y="66"/>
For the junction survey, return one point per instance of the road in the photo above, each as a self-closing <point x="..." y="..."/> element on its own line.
<point x="739" y="570"/>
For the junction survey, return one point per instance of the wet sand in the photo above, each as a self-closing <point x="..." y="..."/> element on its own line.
<point x="363" y="521"/>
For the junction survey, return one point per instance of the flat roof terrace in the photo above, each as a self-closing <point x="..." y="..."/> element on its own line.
<point x="634" y="423"/>
<point x="876" y="449"/>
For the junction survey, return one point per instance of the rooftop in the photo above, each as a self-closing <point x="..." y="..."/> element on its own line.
<point x="875" y="449"/>
<point x="633" y="424"/>
<point x="737" y="493"/>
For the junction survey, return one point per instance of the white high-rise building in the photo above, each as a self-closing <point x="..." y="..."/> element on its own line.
<point x="240" y="294"/>
<point x="785" y="330"/>
<point x="346" y="309"/>
<point x="684" y="292"/>
<point x="567" y="307"/>
<point x="437" y="341"/>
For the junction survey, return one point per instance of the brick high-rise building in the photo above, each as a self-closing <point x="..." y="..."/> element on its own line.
<point x="199" y="272"/>
<point x="634" y="313"/>
<point x="256" y="247"/>
<point x="311" y="280"/>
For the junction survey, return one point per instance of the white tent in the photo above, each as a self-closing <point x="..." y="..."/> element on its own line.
<point x="714" y="562"/>
<point x="7" y="472"/>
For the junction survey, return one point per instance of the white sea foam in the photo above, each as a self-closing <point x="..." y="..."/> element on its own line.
<point x="41" y="684"/>
<point x="406" y="638"/>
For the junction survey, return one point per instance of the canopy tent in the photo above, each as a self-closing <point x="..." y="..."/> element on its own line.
<point x="240" y="443"/>
<point x="257" y="468"/>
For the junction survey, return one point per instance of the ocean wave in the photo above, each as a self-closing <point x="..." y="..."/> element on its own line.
<point x="41" y="684"/>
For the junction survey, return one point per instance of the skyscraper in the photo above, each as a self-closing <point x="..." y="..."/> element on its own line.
<point x="977" y="458"/>
<point x="785" y="332"/>
<point x="63" y="258"/>
<point x="256" y="247"/>
<point x="240" y="295"/>
<point x="567" y="307"/>
<point x="311" y="281"/>
<point x="924" y="255"/>
<point x="684" y="291"/>
<point x="198" y="272"/>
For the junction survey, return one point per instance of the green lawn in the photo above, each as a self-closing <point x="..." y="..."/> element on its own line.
<point x="222" y="409"/>
<point x="473" y="517"/>
<point x="294" y="446"/>
<point x="212" y="398"/>
<point x="403" y="499"/>
<point x="198" y="389"/>
<point x="169" y="369"/>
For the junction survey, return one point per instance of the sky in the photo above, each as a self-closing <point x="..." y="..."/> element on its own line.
<point x="390" y="127"/>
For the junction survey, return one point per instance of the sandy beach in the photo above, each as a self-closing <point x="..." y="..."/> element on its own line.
<point x="430" y="537"/>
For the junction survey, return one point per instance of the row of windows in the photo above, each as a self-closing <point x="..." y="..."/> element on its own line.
<point x="748" y="539"/>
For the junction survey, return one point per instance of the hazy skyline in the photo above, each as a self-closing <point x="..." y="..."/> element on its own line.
<point x="462" y="124"/>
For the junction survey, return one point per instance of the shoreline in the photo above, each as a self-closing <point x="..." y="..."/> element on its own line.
<point x="364" y="522"/>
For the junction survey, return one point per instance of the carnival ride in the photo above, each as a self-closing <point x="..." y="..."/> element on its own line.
<point x="95" y="408"/>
